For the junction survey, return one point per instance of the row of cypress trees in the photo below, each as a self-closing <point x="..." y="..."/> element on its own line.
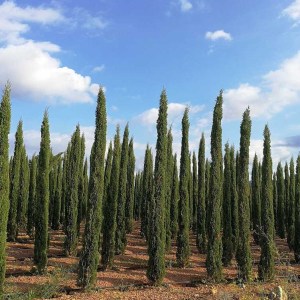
<point x="213" y="199"/>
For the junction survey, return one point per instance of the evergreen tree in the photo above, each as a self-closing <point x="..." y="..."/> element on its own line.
<point x="137" y="195"/>
<point x="121" y="229"/>
<point x="201" y="239"/>
<point x="227" y="217"/>
<point x="214" y="246"/>
<point x="275" y="203"/>
<point x="42" y="203"/>
<point x="266" y="264"/>
<point x="183" y="249"/>
<point x="174" y="199"/>
<point x="5" y="116"/>
<point x="297" y="213"/>
<point x="195" y="193"/>
<point x="291" y="206"/>
<point x="85" y="189"/>
<point x="64" y="187"/>
<point x="57" y="196"/>
<point x="207" y="187"/>
<point x="157" y="234"/>
<point x="286" y="195"/>
<point x="110" y="208"/>
<point x="169" y="179"/>
<point x="130" y="189"/>
<point x="107" y="173"/>
<point x="256" y="201"/>
<point x="32" y="196"/>
<point x="90" y="252"/>
<point x="281" y="202"/>
<point x="12" y="228"/>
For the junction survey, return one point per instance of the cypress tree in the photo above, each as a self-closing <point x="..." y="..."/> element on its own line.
<point x="12" y="229"/>
<point x="107" y="174"/>
<point x="275" y="202"/>
<point x="57" y="197"/>
<point x="174" y="199"/>
<point x="281" y="202"/>
<point x="190" y="191"/>
<point x="195" y="193"/>
<point x="169" y="178"/>
<point x="214" y="246"/>
<point x="201" y="239"/>
<point x="286" y="194"/>
<point x="85" y="189"/>
<point x="157" y="234"/>
<point x="32" y="196"/>
<point x="5" y="116"/>
<point x="130" y="189"/>
<point x="121" y="229"/>
<point x="207" y="181"/>
<point x="244" y="252"/>
<point x="183" y="249"/>
<point x="297" y="213"/>
<point x="110" y="207"/>
<point x="71" y="204"/>
<point x="234" y="201"/>
<point x="90" y="252"/>
<point x="266" y="264"/>
<point x="256" y="201"/>
<point x="42" y="203"/>
<point x="291" y="206"/>
<point x="227" y="218"/>
<point x="137" y="195"/>
<point x="64" y="187"/>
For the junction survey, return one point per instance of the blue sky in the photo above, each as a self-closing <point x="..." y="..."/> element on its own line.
<point x="55" y="55"/>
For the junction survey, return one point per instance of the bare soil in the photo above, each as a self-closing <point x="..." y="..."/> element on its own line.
<point x="127" y="280"/>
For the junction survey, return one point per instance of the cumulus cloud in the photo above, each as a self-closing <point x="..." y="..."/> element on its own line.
<point x="278" y="89"/>
<point x="293" y="11"/>
<point x="30" y="65"/>
<point x="218" y="35"/>
<point x="185" y="5"/>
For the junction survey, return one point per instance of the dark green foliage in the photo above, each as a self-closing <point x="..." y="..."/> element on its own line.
<point x="138" y="187"/>
<point x="89" y="259"/>
<point x="207" y="181"/>
<point x="291" y="207"/>
<point x="227" y="217"/>
<point x="214" y="246"/>
<point x="190" y="192"/>
<point x="71" y="204"/>
<point x="130" y="189"/>
<point x="32" y="196"/>
<point x="107" y="173"/>
<point x="57" y="196"/>
<point x="183" y="249"/>
<point x="234" y="201"/>
<point x="42" y="199"/>
<point x="12" y="226"/>
<point x="286" y="195"/>
<point x="195" y="194"/>
<point x="297" y="214"/>
<point x="64" y="187"/>
<point x="281" y="202"/>
<point x="157" y="234"/>
<point x="110" y="207"/>
<point x="266" y="264"/>
<point x="121" y="229"/>
<point x="275" y="202"/>
<point x="169" y="179"/>
<point x="174" y="199"/>
<point x="85" y="189"/>
<point x="243" y="254"/>
<point x="5" y="116"/>
<point x="256" y="201"/>
<point x="201" y="239"/>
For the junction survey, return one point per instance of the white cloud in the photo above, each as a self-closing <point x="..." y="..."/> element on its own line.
<point x="87" y="21"/>
<point x="185" y="5"/>
<point x="278" y="89"/>
<point x="293" y="11"/>
<point x="218" y="35"/>
<point x="98" y="69"/>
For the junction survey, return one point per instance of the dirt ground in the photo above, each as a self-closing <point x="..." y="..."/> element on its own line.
<point x="128" y="278"/>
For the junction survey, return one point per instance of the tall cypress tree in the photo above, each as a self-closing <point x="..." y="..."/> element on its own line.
<point x="90" y="252"/>
<point x="281" y="202"/>
<point x="207" y="187"/>
<point x="32" y="196"/>
<point x="297" y="214"/>
<point x="244" y="252"/>
<point x="121" y="229"/>
<point x="130" y="189"/>
<point x="63" y="186"/>
<point x="5" y="116"/>
<point x="227" y="217"/>
<point x="195" y="193"/>
<point x="286" y="194"/>
<point x="57" y="196"/>
<point x="110" y="207"/>
<point x="157" y="234"/>
<point x="214" y="246"/>
<point x="201" y="239"/>
<point x="266" y="264"/>
<point x="107" y="173"/>
<point x="291" y="206"/>
<point x="169" y="178"/>
<point x="174" y="199"/>
<point x="12" y="228"/>
<point x="275" y="202"/>
<point x="256" y="201"/>
<point x="42" y="203"/>
<point x="183" y="249"/>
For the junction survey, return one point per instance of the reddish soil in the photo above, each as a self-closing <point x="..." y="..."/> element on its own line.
<point x="128" y="278"/>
